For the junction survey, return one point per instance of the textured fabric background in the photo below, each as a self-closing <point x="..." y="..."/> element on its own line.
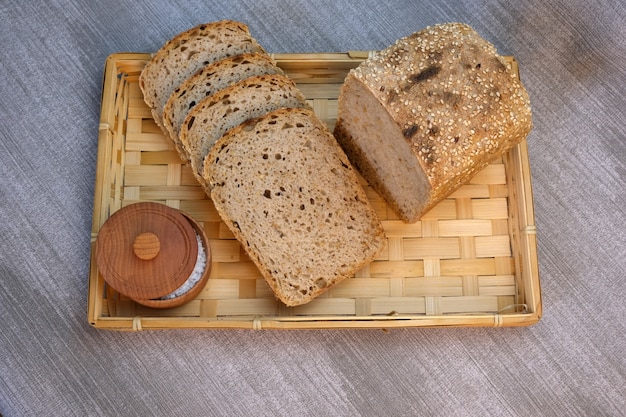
<point x="572" y="363"/>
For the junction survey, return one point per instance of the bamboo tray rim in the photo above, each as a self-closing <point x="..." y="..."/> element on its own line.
<point x="531" y="311"/>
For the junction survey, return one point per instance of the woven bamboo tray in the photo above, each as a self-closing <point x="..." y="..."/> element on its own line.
<point x="471" y="261"/>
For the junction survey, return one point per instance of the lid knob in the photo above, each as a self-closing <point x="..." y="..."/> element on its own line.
<point x="146" y="246"/>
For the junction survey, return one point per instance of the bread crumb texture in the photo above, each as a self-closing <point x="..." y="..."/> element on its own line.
<point x="187" y="53"/>
<point x="247" y="99"/>
<point x="289" y="194"/>
<point x="211" y="79"/>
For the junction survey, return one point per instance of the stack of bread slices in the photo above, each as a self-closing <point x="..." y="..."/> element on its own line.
<point x="274" y="171"/>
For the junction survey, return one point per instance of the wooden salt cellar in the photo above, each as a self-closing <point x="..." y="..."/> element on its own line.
<point x="148" y="250"/>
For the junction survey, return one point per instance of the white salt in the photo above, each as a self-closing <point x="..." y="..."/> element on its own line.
<point x="195" y="276"/>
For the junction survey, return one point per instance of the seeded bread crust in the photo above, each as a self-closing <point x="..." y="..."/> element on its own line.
<point x="229" y="107"/>
<point x="187" y="53"/>
<point x="423" y="116"/>
<point x="288" y="193"/>
<point x="207" y="82"/>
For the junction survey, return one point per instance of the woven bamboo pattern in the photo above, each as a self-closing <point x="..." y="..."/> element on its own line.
<point x="470" y="261"/>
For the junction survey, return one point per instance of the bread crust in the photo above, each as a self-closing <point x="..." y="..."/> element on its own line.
<point x="452" y="99"/>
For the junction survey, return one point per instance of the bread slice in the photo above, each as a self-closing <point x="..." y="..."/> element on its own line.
<point x="288" y="193"/>
<point x="187" y="53"/>
<point x="247" y="99"/>
<point x="206" y="82"/>
<point x="423" y="116"/>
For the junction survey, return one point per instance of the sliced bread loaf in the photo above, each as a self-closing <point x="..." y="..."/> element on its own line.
<point x="231" y="106"/>
<point x="206" y="82"/>
<point x="423" y="116"/>
<point x="287" y="191"/>
<point x="187" y="53"/>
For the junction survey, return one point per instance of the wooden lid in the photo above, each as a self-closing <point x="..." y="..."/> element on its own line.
<point x="146" y="250"/>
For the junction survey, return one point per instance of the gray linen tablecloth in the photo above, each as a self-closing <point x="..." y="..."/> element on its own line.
<point x="52" y="54"/>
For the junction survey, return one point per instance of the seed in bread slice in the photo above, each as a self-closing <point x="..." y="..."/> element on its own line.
<point x="206" y="82"/>
<point x="423" y="116"/>
<point x="187" y="53"/>
<point x="288" y="193"/>
<point x="229" y="107"/>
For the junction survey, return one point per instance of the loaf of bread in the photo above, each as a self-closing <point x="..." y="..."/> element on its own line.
<point x="209" y="80"/>
<point x="187" y="53"/>
<point x="216" y="114"/>
<point x="288" y="193"/>
<point x="422" y="117"/>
